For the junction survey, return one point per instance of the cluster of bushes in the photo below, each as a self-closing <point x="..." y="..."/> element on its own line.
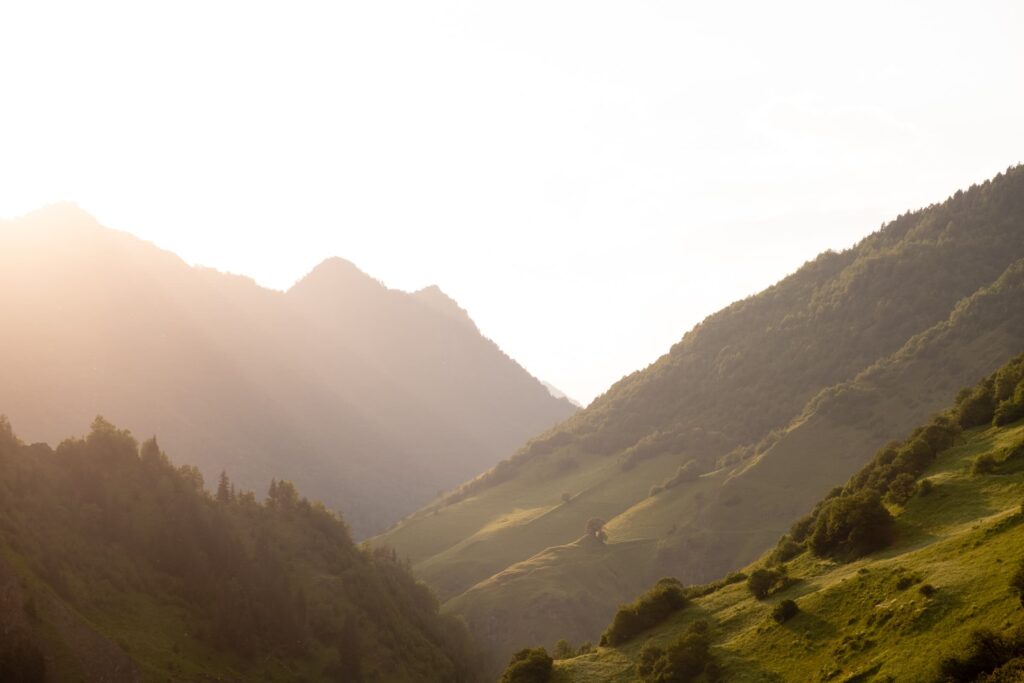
<point x="653" y="607"/>
<point x="989" y="656"/>
<point x="531" y="665"/>
<point x="686" y="660"/>
<point x="998" y="400"/>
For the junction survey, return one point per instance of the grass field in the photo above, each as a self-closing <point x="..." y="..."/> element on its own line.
<point x="868" y="620"/>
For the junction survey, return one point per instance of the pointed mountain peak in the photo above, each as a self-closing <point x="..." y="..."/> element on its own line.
<point x="334" y="277"/>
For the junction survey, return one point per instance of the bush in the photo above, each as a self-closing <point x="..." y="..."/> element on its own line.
<point x="1007" y="412"/>
<point x="925" y="487"/>
<point x="927" y="590"/>
<point x="905" y="582"/>
<point x="649" y="609"/>
<point x="785" y="550"/>
<point x="686" y="660"/>
<point x="986" y="652"/>
<point x="762" y="581"/>
<point x="1017" y="582"/>
<point x="784" y="611"/>
<point x="532" y="665"/>
<point x="852" y="525"/>
<point x="986" y="463"/>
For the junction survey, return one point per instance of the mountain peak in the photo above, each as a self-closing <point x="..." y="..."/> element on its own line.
<point x="336" y="275"/>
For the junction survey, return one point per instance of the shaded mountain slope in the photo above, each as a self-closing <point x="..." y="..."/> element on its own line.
<point x="370" y="399"/>
<point x="705" y="453"/>
<point x="115" y="565"/>
<point x="938" y="601"/>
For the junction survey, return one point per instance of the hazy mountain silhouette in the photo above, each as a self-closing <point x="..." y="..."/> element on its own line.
<point x="370" y="399"/>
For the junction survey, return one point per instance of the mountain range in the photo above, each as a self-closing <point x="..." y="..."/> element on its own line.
<point x="370" y="399"/>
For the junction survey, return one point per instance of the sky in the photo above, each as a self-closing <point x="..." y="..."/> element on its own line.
<point x="588" y="179"/>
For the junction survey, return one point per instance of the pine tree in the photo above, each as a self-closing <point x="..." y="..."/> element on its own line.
<point x="224" y="488"/>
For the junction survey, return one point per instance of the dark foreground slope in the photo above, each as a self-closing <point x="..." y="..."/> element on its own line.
<point x="370" y="399"/>
<point x="913" y="571"/>
<point x="701" y="460"/>
<point x="117" y="566"/>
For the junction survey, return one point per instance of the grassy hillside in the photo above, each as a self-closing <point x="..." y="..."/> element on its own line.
<point x="712" y="451"/>
<point x="893" y="614"/>
<point x="116" y="565"/>
<point x="370" y="399"/>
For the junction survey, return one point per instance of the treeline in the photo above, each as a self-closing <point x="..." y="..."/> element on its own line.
<point x="101" y="517"/>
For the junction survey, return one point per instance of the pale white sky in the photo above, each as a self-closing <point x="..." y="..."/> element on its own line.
<point x="589" y="179"/>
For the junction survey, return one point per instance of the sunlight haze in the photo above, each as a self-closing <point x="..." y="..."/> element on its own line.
<point x="587" y="179"/>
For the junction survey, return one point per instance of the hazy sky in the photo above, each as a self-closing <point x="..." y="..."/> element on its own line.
<point x="589" y="179"/>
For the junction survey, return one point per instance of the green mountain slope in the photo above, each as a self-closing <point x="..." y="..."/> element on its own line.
<point x="712" y="451"/>
<point x="115" y="565"/>
<point x="370" y="399"/>
<point x="944" y="575"/>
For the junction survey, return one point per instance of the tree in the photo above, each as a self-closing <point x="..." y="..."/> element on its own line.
<point x="529" y="666"/>
<point x="595" y="529"/>
<point x="224" y="488"/>
<point x="902" y="489"/>
<point x="564" y="650"/>
<point x="852" y="525"/>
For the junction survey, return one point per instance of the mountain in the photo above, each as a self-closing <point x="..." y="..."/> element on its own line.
<point x="115" y="565"/>
<point x="928" y="587"/>
<point x="370" y="399"/>
<point x="697" y="463"/>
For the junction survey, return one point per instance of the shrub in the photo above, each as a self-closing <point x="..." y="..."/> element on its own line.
<point x="925" y="487"/>
<point x="762" y="581"/>
<point x="985" y="463"/>
<point x="784" y="611"/>
<point x="529" y="666"/>
<point x="687" y="659"/>
<point x="785" y="550"/>
<point x="649" y="609"/>
<point x="905" y="582"/>
<point x="1017" y="582"/>
<point x="986" y="652"/>
<point x="852" y="525"/>
<point x="927" y="590"/>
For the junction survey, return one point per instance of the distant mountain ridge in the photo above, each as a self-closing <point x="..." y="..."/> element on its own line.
<point x="699" y="462"/>
<point x="370" y="399"/>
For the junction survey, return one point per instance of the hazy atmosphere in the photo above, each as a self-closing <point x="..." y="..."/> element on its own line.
<point x="530" y="342"/>
<point x="587" y="179"/>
